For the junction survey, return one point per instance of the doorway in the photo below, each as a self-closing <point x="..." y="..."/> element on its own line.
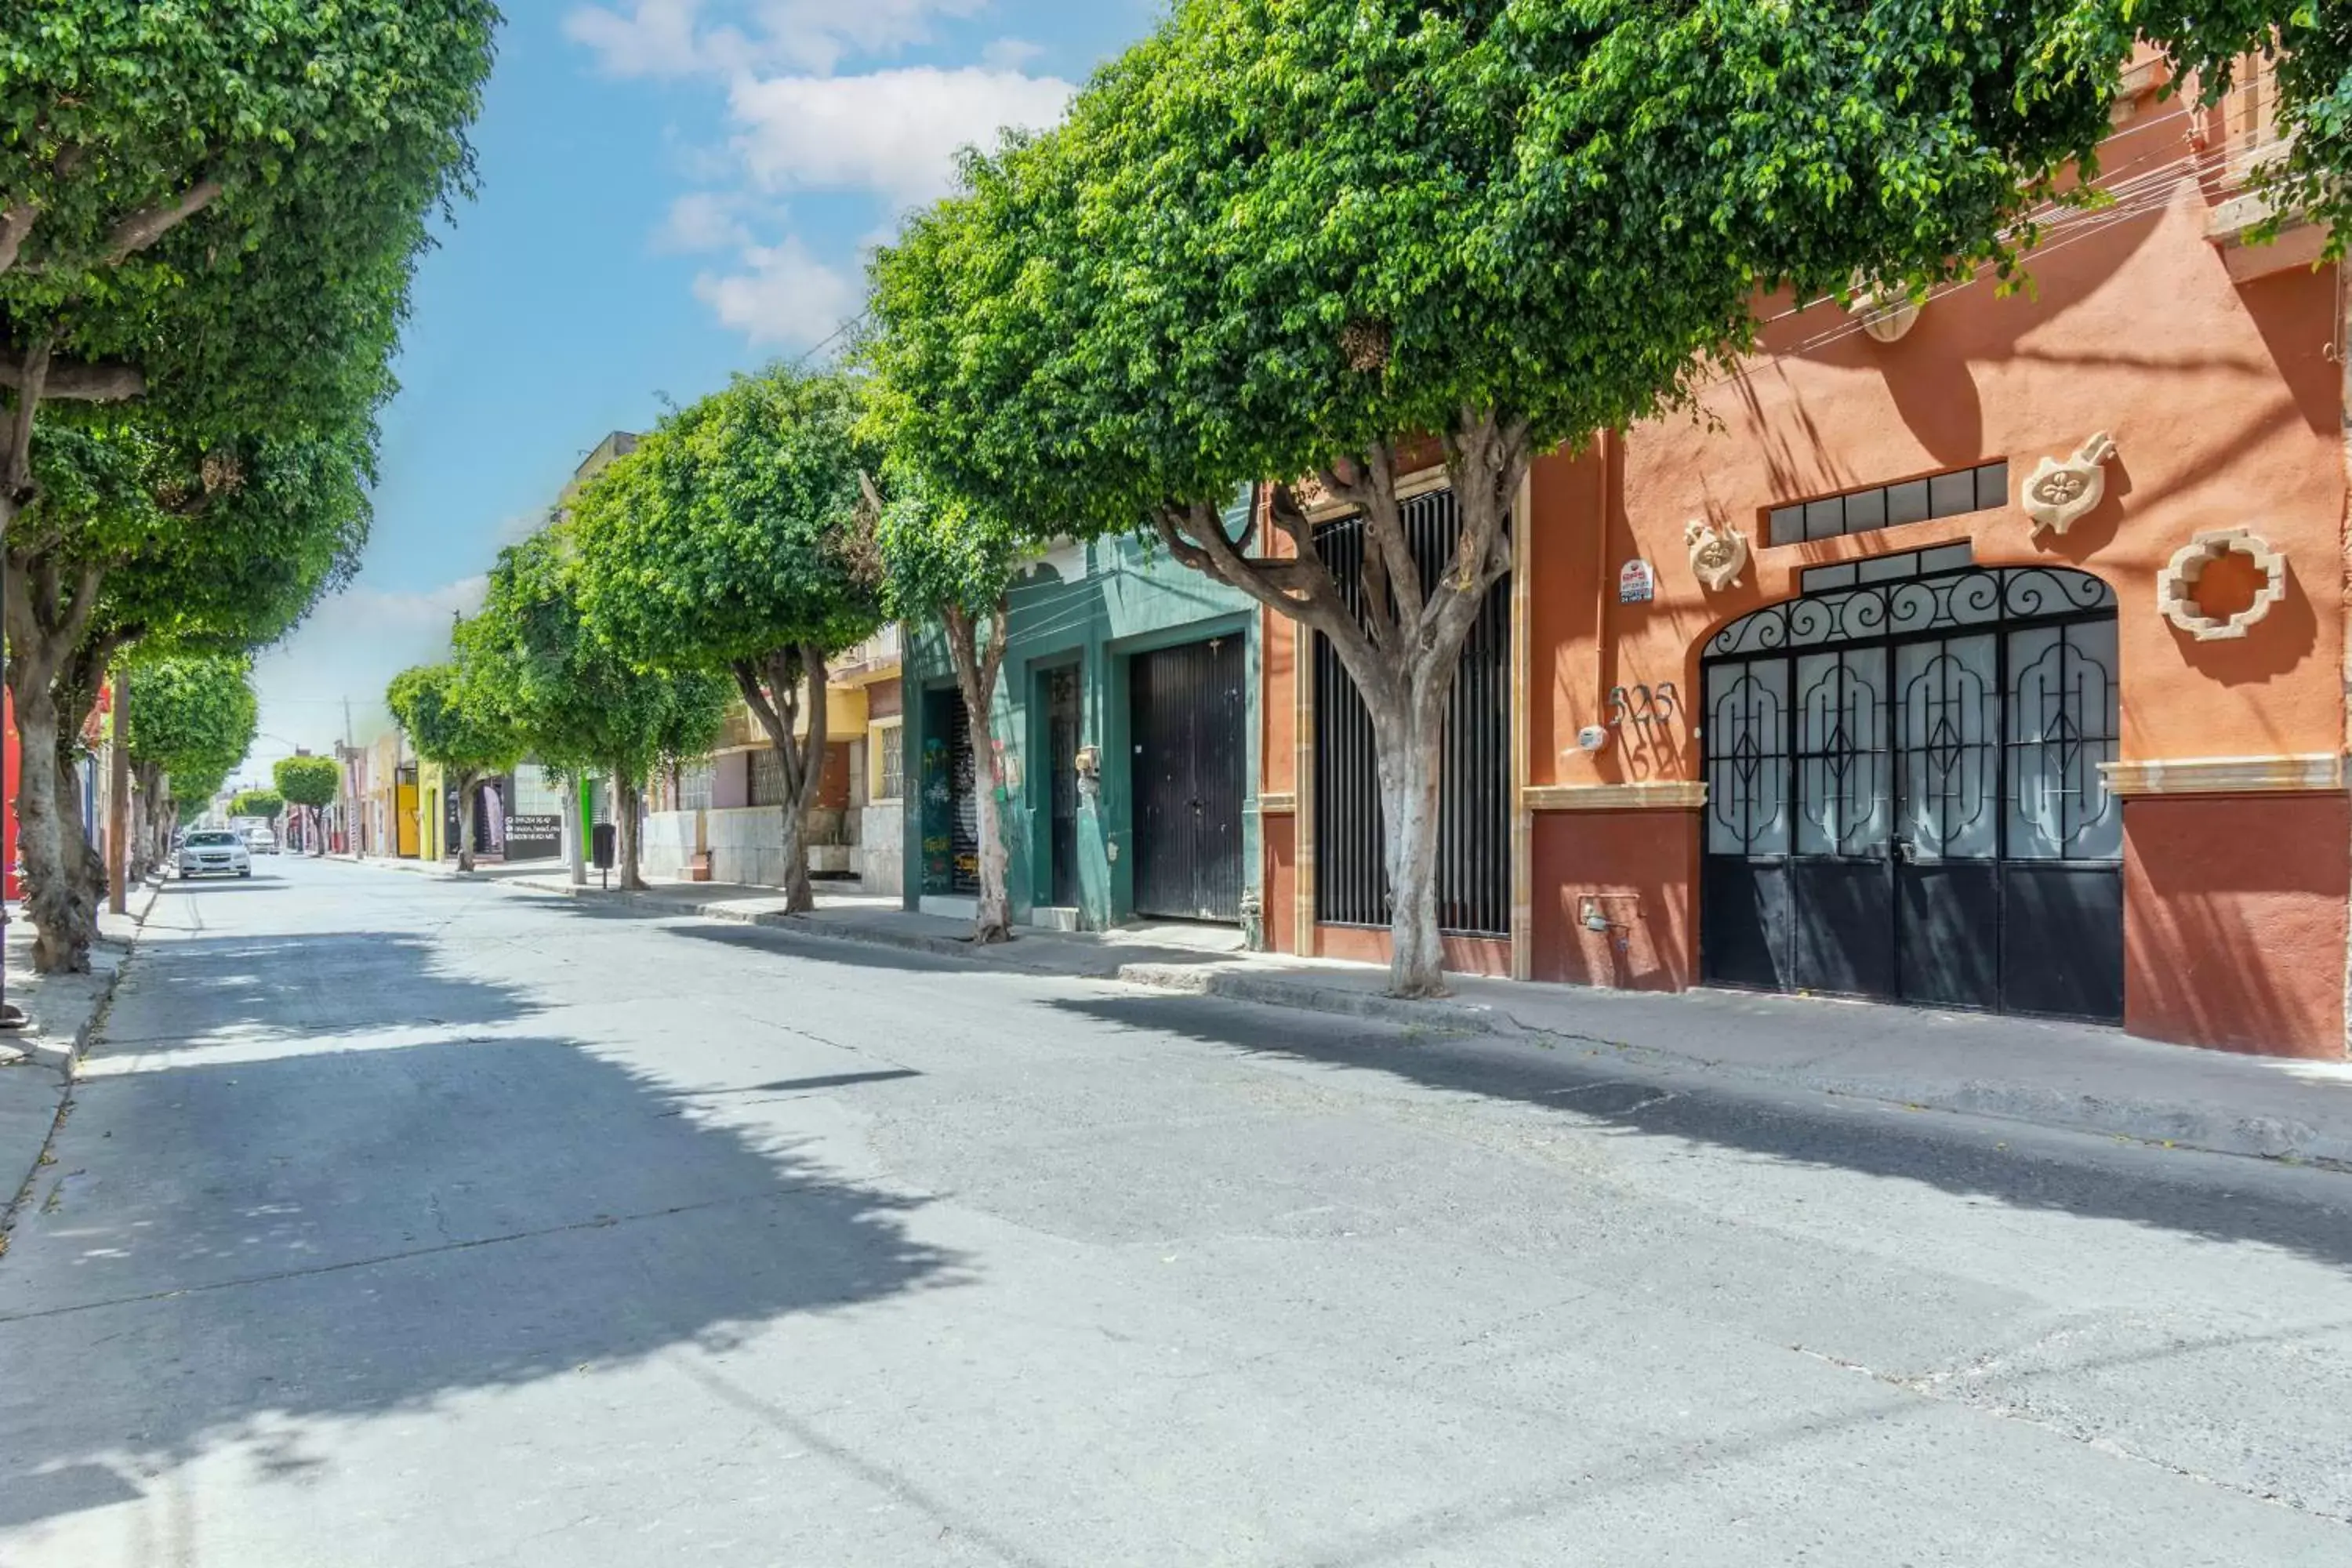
<point x="1904" y="793"/>
<point x="1187" y="714"/>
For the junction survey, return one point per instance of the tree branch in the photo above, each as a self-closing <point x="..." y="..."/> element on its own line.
<point x="144" y="228"/>
<point x="1304" y="590"/>
<point x="79" y="381"/>
<point x="31" y="374"/>
<point x="16" y="223"/>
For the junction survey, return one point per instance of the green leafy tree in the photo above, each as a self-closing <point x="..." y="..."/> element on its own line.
<point x="462" y="725"/>
<point x="732" y="539"/>
<point x="1309" y="241"/>
<point x="577" y="705"/>
<point x="267" y="804"/>
<point x="944" y="560"/>
<point x="212" y="208"/>
<point x="141" y="535"/>
<point x="191" y="719"/>
<point x="311" y="783"/>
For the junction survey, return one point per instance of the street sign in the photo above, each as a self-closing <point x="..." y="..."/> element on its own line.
<point x="1637" y="583"/>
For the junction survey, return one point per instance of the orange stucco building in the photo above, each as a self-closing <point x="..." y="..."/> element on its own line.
<point x="2028" y="696"/>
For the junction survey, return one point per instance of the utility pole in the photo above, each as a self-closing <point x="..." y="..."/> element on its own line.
<point x="118" y="826"/>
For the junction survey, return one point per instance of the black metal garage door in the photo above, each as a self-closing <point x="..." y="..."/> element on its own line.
<point x="1188" y="712"/>
<point x="1904" y="793"/>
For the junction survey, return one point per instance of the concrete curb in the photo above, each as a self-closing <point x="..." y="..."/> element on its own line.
<point x="802" y="925"/>
<point x="2173" y="1124"/>
<point x="2169" y="1124"/>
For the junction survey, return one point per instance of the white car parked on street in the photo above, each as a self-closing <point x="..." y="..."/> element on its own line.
<point x="214" y="852"/>
<point x="261" y="841"/>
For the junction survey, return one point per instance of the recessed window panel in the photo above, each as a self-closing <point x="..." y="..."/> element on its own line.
<point x="1992" y="485"/>
<point x="1952" y="495"/>
<point x="1906" y="502"/>
<point x="1982" y="487"/>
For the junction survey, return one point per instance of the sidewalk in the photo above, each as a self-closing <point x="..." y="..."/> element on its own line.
<point x="2070" y="1076"/>
<point x="37" y="1063"/>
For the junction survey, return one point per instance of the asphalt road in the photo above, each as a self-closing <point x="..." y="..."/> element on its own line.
<point x="419" y="1224"/>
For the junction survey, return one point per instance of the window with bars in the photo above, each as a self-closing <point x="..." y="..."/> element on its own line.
<point x="890" y="777"/>
<point x="767" y="777"/>
<point x="694" y="784"/>
<point x="1980" y="489"/>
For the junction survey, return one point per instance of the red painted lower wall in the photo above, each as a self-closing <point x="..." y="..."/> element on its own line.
<point x="1641" y="869"/>
<point x="2234" y="922"/>
<point x="1279" y="836"/>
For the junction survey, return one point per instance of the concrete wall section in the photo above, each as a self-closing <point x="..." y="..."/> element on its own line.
<point x="2234" y="920"/>
<point x="880" y="859"/>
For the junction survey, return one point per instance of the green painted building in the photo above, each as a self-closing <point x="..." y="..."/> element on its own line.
<point x="1127" y="714"/>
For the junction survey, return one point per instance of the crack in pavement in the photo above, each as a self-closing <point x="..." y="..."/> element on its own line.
<point x="1930" y="1387"/>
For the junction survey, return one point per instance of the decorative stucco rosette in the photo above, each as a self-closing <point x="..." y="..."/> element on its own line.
<point x="2176" y="586"/>
<point x="2060" y="491"/>
<point x="1718" y="552"/>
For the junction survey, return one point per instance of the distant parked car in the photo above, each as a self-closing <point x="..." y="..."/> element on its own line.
<point x="261" y="841"/>
<point x="214" y="852"/>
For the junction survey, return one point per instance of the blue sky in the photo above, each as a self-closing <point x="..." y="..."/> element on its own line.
<point x="671" y="190"/>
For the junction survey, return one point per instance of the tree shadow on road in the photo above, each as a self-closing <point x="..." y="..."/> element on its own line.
<point x="324" y="1237"/>
<point x="202" y="990"/>
<point x="2204" y="1195"/>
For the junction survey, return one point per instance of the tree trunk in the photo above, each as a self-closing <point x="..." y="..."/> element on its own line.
<point x="976" y="668"/>
<point x="468" y="787"/>
<point x="51" y="683"/>
<point x="61" y="943"/>
<point x="627" y="801"/>
<point x="1407" y="750"/>
<point x="134" y="846"/>
<point x="771" y="688"/>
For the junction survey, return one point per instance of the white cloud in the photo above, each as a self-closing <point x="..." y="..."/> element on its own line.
<point x="783" y="296"/>
<point x="894" y="132"/>
<point x="656" y="38"/>
<point x="1010" y="54"/>
<point x="798" y="126"/>
<point x="703" y="220"/>
<point x="674" y="37"/>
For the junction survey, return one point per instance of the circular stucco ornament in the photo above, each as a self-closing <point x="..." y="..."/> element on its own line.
<point x="2175" y="586"/>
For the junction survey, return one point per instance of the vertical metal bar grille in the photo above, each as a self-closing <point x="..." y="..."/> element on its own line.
<point x="963" y="787"/>
<point x="1474" y="858"/>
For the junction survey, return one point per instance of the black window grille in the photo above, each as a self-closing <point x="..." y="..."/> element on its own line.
<point x="1963" y="490"/>
<point x="767" y="777"/>
<point x="1474" y="857"/>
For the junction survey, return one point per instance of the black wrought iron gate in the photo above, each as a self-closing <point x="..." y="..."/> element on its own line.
<point x="1474" y="807"/>
<point x="1062" y="728"/>
<point x="963" y="783"/>
<point x="1187" y="716"/>
<point x="1904" y="793"/>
